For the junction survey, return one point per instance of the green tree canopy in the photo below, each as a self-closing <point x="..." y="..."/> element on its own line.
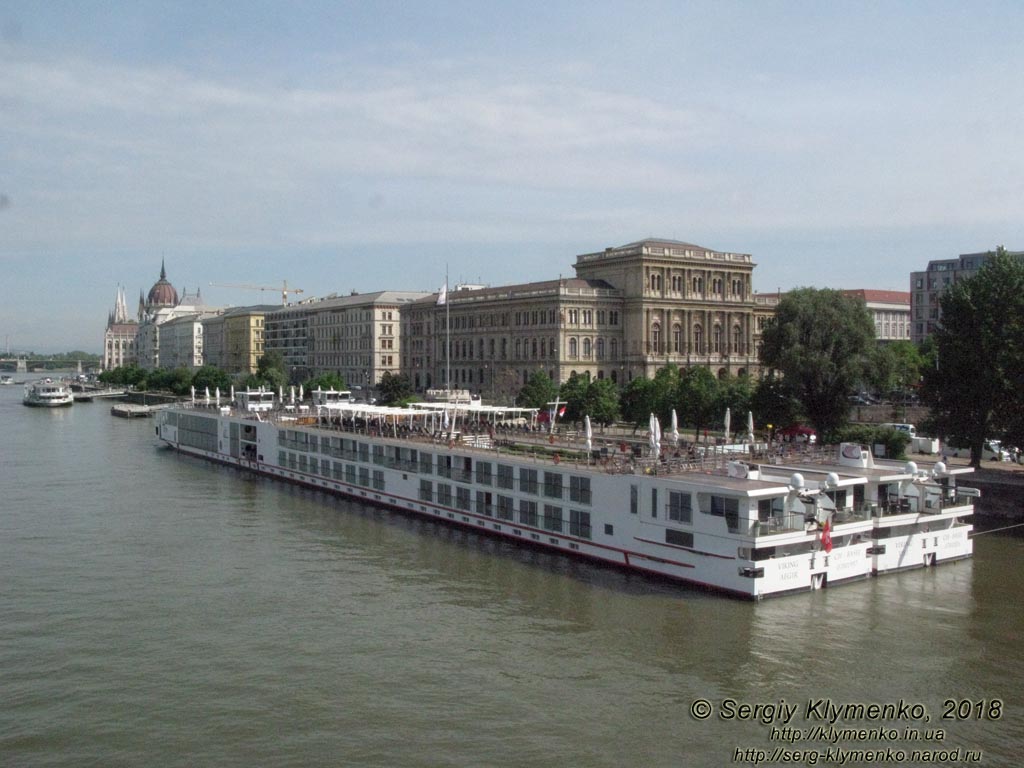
<point x="538" y="391"/>
<point x="698" y="399"/>
<point x="772" y="403"/>
<point x="602" y="401"/>
<point x="637" y="402"/>
<point x="211" y="376"/>
<point x="270" y="371"/>
<point x="574" y="394"/>
<point x="394" y="389"/>
<point x="974" y="389"/>
<point x="328" y="381"/>
<point x="820" y="340"/>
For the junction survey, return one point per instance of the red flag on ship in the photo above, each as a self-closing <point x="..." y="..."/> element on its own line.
<point x="826" y="536"/>
<point x="561" y="412"/>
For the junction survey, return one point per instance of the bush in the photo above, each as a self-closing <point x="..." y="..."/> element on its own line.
<point x="895" y="442"/>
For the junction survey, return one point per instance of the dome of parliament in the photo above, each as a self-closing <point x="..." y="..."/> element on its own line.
<point x="162" y="294"/>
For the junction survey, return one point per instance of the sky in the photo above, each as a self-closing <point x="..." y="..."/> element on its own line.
<point x="365" y="146"/>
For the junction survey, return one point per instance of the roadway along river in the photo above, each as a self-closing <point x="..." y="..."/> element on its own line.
<point x="160" y="611"/>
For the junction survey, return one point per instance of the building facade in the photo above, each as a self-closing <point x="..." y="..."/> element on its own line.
<point x="161" y="304"/>
<point x="119" y="335"/>
<point x="181" y="342"/>
<point x="927" y="287"/>
<point x="286" y="332"/>
<point x="889" y="310"/>
<point x="628" y="312"/>
<point x="356" y="336"/>
<point x="244" y="338"/>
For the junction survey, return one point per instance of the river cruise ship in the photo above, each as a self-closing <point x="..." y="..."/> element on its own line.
<point x="769" y="524"/>
<point x="48" y="394"/>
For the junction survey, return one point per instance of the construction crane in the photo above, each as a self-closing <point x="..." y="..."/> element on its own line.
<point x="284" y="289"/>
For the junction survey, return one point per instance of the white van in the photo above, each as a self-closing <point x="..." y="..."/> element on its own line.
<point x="909" y="429"/>
<point x="990" y="451"/>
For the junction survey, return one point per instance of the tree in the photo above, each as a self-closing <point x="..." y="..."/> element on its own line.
<point x="820" y="341"/>
<point x="974" y="390"/>
<point x="698" y="399"/>
<point x="574" y="394"/>
<point x="637" y="402"/>
<point x="326" y="381"/>
<point x="394" y="389"/>
<point x="664" y="392"/>
<point x="895" y="367"/>
<point x="602" y="401"/>
<point x="772" y="403"/>
<point x="538" y="391"/>
<point x="270" y="371"/>
<point x="211" y="376"/>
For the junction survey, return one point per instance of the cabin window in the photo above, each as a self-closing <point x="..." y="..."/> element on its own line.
<point x="350" y="474"/>
<point x="444" y="494"/>
<point x="528" y="480"/>
<point x="484" y="503"/>
<point x="462" y="498"/>
<point x="634" y="499"/>
<point x="426" y="490"/>
<point x="364" y="477"/>
<point x="505" y="476"/>
<point x="505" y="507"/>
<point x="426" y="462"/>
<point x="579" y="523"/>
<point x="553" y="485"/>
<point x="678" y="538"/>
<point x="579" y="489"/>
<point x="378" y="479"/>
<point x="680" y="507"/>
<point x="767" y="509"/>
<point x="729" y="508"/>
<point x="654" y="502"/>
<point x="484" y="473"/>
<point x="528" y="512"/>
<point x="552" y="518"/>
<point x="609" y="529"/>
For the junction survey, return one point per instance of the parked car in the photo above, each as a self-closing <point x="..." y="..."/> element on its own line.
<point x="908" y="429"/>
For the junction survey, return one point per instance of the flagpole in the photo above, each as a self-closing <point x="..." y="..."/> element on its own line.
<point x="448" y="337"/>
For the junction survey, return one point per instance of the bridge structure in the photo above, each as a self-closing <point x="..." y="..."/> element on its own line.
<point x="26" y="364"/>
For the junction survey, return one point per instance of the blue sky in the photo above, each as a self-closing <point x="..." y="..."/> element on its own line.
<point x="361" y="146"/>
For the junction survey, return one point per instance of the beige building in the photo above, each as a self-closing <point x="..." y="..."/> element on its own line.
<point x="355" y="336"/>
<point x="630" y="311"/>
<point x="213" y="341"/>
<point x="243" y="337"/>
<point x="181" y="342"/>
<point x="890" y="311"/>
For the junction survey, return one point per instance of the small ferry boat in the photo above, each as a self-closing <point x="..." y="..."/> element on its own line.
<point x="767" y="525"/>
<point x="48" y="393"/>
<point x="6" y="380"/>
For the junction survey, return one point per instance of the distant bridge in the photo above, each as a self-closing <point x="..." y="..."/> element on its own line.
<point x="25" y="364"/>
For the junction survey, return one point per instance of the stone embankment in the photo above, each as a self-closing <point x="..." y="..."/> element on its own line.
<point x="1001" y="484"/>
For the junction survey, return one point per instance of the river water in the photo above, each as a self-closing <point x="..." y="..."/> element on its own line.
<point x="158" y="610"/>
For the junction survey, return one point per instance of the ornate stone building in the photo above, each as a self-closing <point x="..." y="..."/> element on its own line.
<point x="629" y="311"/>
<point x="156" y="308"/>
<point x="119" y="336"/>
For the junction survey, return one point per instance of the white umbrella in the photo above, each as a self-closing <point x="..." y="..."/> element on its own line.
<point x="232" y="393"/>
<point x="291" y="394"/>
<point x="280" y="392"/>
<point x="589" y="433"/>
<point x="217" y="393"/>
<point x="445" y="424"/>
<point x="675" y="428"/>
<point x="750" y="426"/>
<point x="301" y="395"/>
<point x="207" y="396"/>
<point x="655" y="437"/>
<point x="193" y="395"/>
<point x="728" y="424"/>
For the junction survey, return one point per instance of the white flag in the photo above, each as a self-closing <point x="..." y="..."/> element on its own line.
<point x="442" y="297"/>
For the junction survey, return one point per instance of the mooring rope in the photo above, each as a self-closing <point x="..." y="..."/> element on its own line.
<point x="975" y="534"/>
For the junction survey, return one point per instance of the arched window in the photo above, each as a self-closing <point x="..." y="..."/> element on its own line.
<point x="600" y="349"/>
<point x="722" y="374"/>
<point x="586" y="348"/>
<point x="573" y="347"/>
<point x="698" y="285"/>
<point x="716" y="343"/>
<point x="519" y="349"/>
<point x="677" y="338"/>
<point x="614" y="349"/>
<point x="737" y="340"/>
<point x="533" y="349"/>
<point x="698" y="339"/>
<point x="655" y="347"/>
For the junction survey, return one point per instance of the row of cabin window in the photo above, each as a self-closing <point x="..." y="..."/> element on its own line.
<point x="680" y="506"/>
<point x="334" y="470"/>
<point x="531" y="513"/>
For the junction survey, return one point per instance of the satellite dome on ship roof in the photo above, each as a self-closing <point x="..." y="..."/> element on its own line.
<point x="162" y="294"/>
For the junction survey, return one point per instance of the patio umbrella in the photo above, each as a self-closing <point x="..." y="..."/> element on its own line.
<point x="655" y="437"/>
<point x="675" y="428"/>
<point x="750" y="426"/>
<point x="193" y="395"/>
<point x="728" y="424"/>
<point x="207" y="396"/>
<point x="217" y="394"/>
<point x="589" y="433"/>
<point x="302" y="396"/>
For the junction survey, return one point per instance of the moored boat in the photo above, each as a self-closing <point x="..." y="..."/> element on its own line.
<point x="753" y="528"/>
<point x="48" y="393"/>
